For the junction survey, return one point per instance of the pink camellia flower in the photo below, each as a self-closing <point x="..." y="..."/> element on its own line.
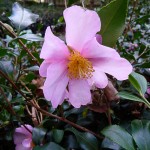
<point x="79" y="63"/>
<point x="23" y="138"/>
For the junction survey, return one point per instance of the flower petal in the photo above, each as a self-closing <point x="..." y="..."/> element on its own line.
<point x="79" y="92"/>
<point x="27" y="142"/>
<point x="56" y="83"/>
<point x="24" y="131"/>
<point x="43" y="68"/>
<point x="119" y="68"/>
<point x="93" y="49"/>
<point x="21" y="147"/>
<point x="81" y="26"/>
<point x="19" y="137"/>
<point x="53" y="48"/>
<point x="99" y="78"/>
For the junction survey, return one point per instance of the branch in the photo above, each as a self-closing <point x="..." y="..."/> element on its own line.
<point x="11" y="109"/>
<point x="47" y="113"/>
<point x="64" y="120"/>
<point x="20" y="42"/>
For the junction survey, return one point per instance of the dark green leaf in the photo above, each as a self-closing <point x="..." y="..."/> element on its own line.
<point x="119" y="136"/>
<point x="145" y="65"/>
<point x="142" y="19"/>
<point x="7" y="68"/>
<point x="58" y="135"/>
<point x="141" y="133"/>
<point x="49" y="146"/>
<point x="110" y="144"/>
<point x="86" y="140"/>
<point x="139" y="82"/>
<point x="129" y="96"/>
<point x="38" y="135"/>
<point x="113" y="21"/>
<point x="31" y="37"/>
<point x="33" y="68"/>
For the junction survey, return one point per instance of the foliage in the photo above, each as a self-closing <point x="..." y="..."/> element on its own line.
<point x="125" y="26"/>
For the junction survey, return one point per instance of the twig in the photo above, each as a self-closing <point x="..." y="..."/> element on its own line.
<point x="140" y="55"/>
<point x="64" y="120"/>
<point x="20" y="42"/>
<point x="47" y="113"/>
<point x="13" y="84"/>
<point x="11" y="109"/>
<point x="65" y="2"/>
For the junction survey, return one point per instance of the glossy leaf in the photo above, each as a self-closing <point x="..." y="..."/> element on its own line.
<point x="110" y="144"/>
<point x="7" y="68"/>
<point x="119" y="136"/>
<point x="139" y="82"/>
<point x="49" y="146"/>
<point x="22" y="17"/>
<point x="86" y="140"/>
<point x="113" y="18"/>
<point x="31" y="37"/>
<point x="129" y="96"/>
<point x="38" y="135"/>
<point x="58" y="135"/>
<point x="141" y="133"/>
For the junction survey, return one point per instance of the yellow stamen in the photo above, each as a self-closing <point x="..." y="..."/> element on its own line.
<point x="78" y="66"/>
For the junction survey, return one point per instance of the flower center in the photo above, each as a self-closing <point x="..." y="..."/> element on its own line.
<point x="78" y="66"/>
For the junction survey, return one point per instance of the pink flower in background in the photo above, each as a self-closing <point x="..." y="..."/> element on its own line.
<point x="148" y="90"/>
<point x="79" y="63"/>
<point x="23" y="138"/>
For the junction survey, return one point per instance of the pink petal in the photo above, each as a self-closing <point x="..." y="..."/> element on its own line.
<point x="56" y="83"/>
<point x="79" y="92"/>
<point x="81" y="26"/>
<point x="93" y="49"/>
<point x="53" y="48"/>
<point x="119" y="68"/>
<point x="21" y="147"/>
<point x="24" y="131"/>
<point x="19" y="137"/>
<point x="99" y="78"/>
<point x="43" y="68"/>
<point x="27" y="142"/>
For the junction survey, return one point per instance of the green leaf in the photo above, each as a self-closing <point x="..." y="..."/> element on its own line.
<point x="7" y="68"/>
<point x="119" y="136"/>
<point x="38" y="135"/>
<point x="128" y="96"/>
<point x="113" y="18"/>
<point x="86" y="140"/>
<point x="141" y="133"/>
<point x="33" y="68"/>
<point x="49" y="146"/>
<point x="31" y="37"/>
<point x="58" y="135"/>
<point x="22" y="17"/>
<point x="139" y="82"/>
<point x="143" y="19"/>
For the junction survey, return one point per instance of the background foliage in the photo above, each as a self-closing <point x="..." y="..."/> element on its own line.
<point x="112" y="118"/>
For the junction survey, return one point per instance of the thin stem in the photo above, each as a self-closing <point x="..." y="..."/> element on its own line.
<point x="13" y="84"/>
<point x="11" y="109"/>
<point x="64" y="120"/>
<point x="145" y="100"/>
<point x="65" y="2"/>
<point x="140" y="55"/>
<point x="20" y="42"/>
<point x="82" y="1"/>
<point x="47" y="113"/>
